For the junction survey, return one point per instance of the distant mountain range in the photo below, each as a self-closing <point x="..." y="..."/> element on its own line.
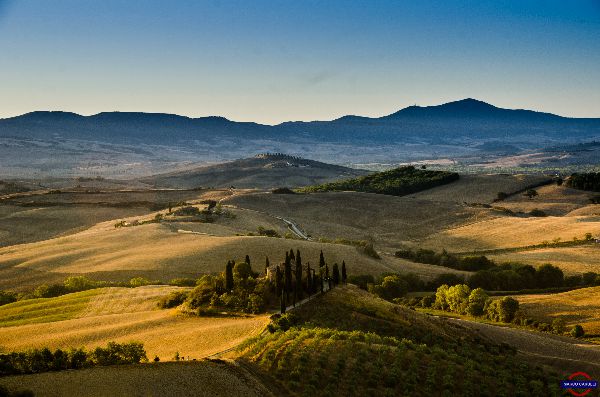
<point x="127" y="145"/>
<point x="467" y="118"/>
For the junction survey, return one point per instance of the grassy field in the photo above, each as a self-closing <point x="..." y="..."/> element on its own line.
<point x="581" y="306"/>
<point x="480" y="188"/>
<point x="46" y="310"/>
<point x="96" y="317"/>
<point x="158" y="251"/>
<point x="203" y="378"/>
<point x="572" y="260"/>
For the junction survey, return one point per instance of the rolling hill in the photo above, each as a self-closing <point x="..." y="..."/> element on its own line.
<point x="261" y="171"/>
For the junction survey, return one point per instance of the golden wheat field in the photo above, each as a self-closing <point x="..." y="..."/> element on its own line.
<point x="572" y="260"/>
<point x="507" y="232"/>
<point x="581" y="306"/>
<point x="121" y="315"/>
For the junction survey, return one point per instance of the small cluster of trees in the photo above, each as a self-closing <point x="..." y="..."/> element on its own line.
<point x="44" y="360"/>
<point x="585" y="181"/>
<point x="240" y="288"/>
<point x="468" y="263"/>
<point x="463" y="300"/>
<point x="397" y="182"/>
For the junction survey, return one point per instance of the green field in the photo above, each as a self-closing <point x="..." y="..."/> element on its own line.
<point x="44" y="310"/>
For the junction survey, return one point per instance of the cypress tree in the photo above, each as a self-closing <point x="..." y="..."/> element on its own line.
<point x="321" y="280"/>
<point x="335" y="274"/>
<point x="229" y="276"/>
<point x="282" y="303"/>
<point x="292" y="257"/>
<point x="327" y="272"/>
<point x="308" y="279"/>
<point x="247" y="259"/>
<point x="298" y="289"/>
<point x="288" y="276"/>
<point x="344" y="275"/>
<point x="278" y="281"/>
<point x="321" y="259"/>
<point x="266" y="265"/>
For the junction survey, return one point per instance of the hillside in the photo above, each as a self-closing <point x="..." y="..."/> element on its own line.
<point x="95" y="317"/>
<point x="348" y="342"/>
<point x="261" y="171"/>
<point x="396" y="182"/>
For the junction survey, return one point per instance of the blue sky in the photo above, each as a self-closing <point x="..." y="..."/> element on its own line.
<point x="270" y="61"/>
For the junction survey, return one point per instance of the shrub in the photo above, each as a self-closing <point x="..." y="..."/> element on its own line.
<point x="477" y="300"/>
<point x="361" y="280"/>
<point x="558" y="326"/>
<point x="79" y="283"/>
<point x="7" y="297"/>
<point x="577" y="331"/>
<point x="283" y="190"/>
<point x="537" y="212"/>
<point x="49" y="291"/>
<point x="139" y="282"/>
<point x="183" y="282"/>
<point x="502" y="310"/>
<point x="174" y="299"/>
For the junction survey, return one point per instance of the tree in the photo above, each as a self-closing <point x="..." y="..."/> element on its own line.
<point x="292" y="256"/>
<point x="266" y="264"/>
<point x="309" y="280"/>
<point x="298" y="275"/>
<point x="229" y="276"/>
<point x="282" y="302"/>
<point x="577" y="331"/>
<point x="278" y="281"/>
<point x="321" y="259"/>
<point x="335" y="274"/>
<point x="549" y="276"/>
<point x="477" y="300"/>
<point x="242" y="270"/>
<point x="247" y="259"/>
<point x="503" y="310"/>
<point x="558" y="326"/>
<point x="457" y="298"/>
<point x="441" y="301"/>
<point x="287" y="273"/>
<point x="531" y="193"/>
<point x="344" y="274"/>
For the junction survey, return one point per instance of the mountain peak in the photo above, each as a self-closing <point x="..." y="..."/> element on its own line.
<point x="467" y="107"/>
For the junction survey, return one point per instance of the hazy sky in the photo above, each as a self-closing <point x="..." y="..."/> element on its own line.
<point x="270" y="61"/>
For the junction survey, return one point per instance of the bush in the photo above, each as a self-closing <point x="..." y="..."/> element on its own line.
<point x="537" y="212"/>
<point x="558" y="326"/>
<point x="477" y="300"/>
<point x="182" y="282"/>
<point x="577" y="331"/>
<point x="7" y="297"/>
<point x="283" y="190"/>
<point x="49" y="291"/>
<point x="361" y="280"/>
<point x="174" y="299"/>
<point x="268" y="232"/>
<point x="139" y="282"/>
<point x="502" y="310"/>
<point x="80" y="283"/>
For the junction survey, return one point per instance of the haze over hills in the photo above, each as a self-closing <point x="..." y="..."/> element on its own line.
<point x="122" y="144"/>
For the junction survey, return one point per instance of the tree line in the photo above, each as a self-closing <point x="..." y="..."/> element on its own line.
<point x="585" y="181"/>
<point x="45" y="360"/>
